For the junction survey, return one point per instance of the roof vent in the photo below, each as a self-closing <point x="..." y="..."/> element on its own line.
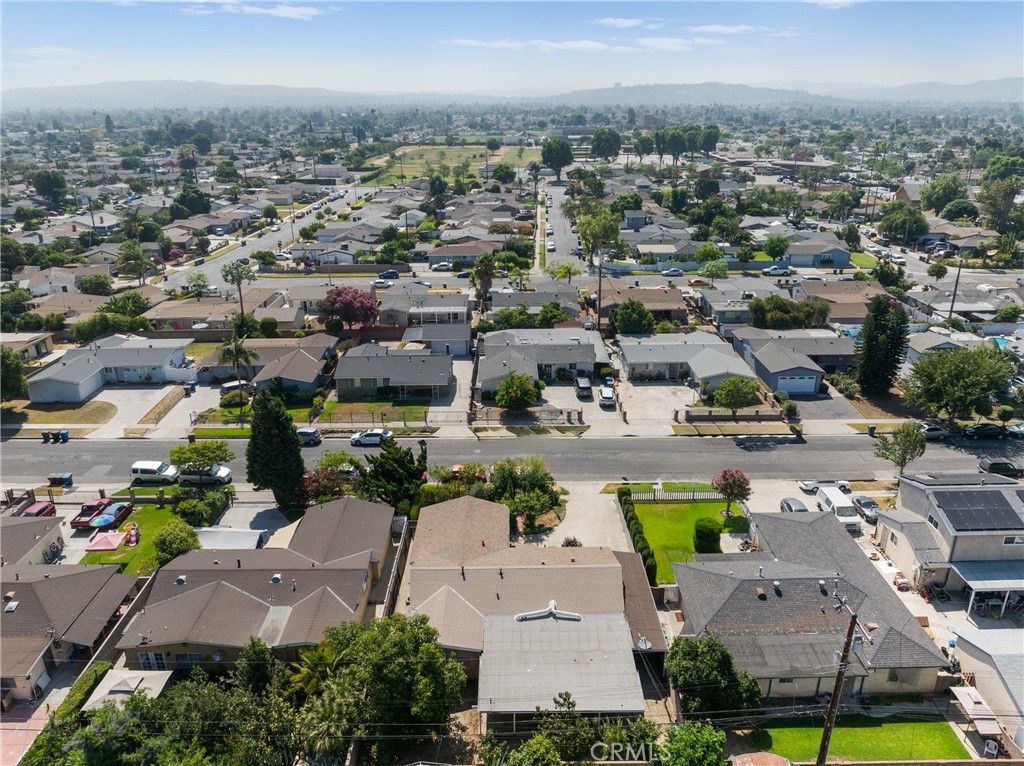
<point x="276" y="578"/>
<point x="761" y="594"/>
<point x="760" y="571"/>
<point x="181" y="580"/>
<point x="9" y="596"/>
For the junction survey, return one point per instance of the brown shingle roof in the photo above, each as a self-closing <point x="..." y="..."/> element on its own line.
<point x="343" y="528"/>
<point x="458" y="531"/>
<point x="641" y="613"/>
<point x="18" y="535"/>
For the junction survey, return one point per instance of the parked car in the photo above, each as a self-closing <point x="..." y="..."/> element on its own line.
<point x="216" y="474"/>
<point x="1000" y="466"/>
<point x="464" y="275"/>
<point x="811" y="486"/>
<point x="672" y="273"/>
<point x="606" y="397"/>
<point x="985" y="431"/>
<point x="89" y="511"/>
<point x="423" y="282"/>
<point x="443" y="266"/>
<point x="551" y="247"/>
<point x="549" y="230"/>
<point x="697" y="282"/>
<point x="867" y="508"/>
<point x="40" y="509"/>
<point x="775" y="271"/>
<point x="935" y="433"/>
<point x="1016" y="381"/>
<point x="584" y="389"/>
<point x="310" y="437"/>
<point x="1017" y="431"/>
<point x="899" y="260"/>
<point x="154" y="472"/>
<point x="812" y="278"/>
<point x="792" y="505"/>
<point x="371" y="438"/>
<point x="382" y="283"/>
<point x="275" y="227"/>
<point x="283" y="256"/>
<point x="389" y="274"/>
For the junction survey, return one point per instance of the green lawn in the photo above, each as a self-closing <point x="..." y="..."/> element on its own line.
<point x="682" y="486"/>
<point x="669" y="529"/>
<point x="224" y="432"/>
<point x="861" y="738"/>
<point x="863" y="260"/>
<point x="358" y="413"/>
<point x="140" y="560"/>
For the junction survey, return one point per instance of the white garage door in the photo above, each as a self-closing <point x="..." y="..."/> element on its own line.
<point x="798" y="384"/>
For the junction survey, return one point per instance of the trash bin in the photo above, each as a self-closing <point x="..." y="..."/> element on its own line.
<point x="46" y="437"/>
<point x="68" y="480"/>
<point x="192" y="387"/>
<point x="64" y="436"/>
<point x="636" y="283"/>
<point x="55" y="437"/>
<point x="871" y="430"/>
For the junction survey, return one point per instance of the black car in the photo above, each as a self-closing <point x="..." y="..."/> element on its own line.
<point x="867" y="508"/>
<point x="389" y="274"/>
<point x="464" y="275"/>
<point x="1000" y="466"/>
<point x="985" y="431"/>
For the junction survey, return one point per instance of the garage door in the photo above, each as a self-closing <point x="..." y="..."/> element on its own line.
<point x="798" y="384"/>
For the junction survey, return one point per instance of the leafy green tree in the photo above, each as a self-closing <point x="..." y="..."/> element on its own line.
<point x="503" y="173"/>
<point x="1002" y="166"/>
<point x="394" y="475"/>
<point x="50" y="185"/>
<point x="132" y="260"/>
<point x="493" y="145"/>
<point x="192" y="200"/>
<point x="902" y="221"/>
<point x="536" y="751"/>
<point x="556" y="153"/>
<point x="273" y="457"/>
<point x="631" y="317"/>
<point x="624" y="202"/>
<point x="597" y="231"/>
<point x="513" y="317"/>
<point x="104" y="323"/>
<point x="128" y="303"/>
<point x="197" y="282"/>
<point x="675" y="199"/>
<point x="883" y="345"/>
<point x="13" y="383"/>
<point x="174" y="539"/>
<point x="705" y="188"/>
<point x="937" y="271"/>
<point x="708" y="681"/>
<point x="707" y="253"/>
<point x="735" y="393"/>
<point x="551" y="314"/>
<point x="516" y="392"/>
<point x="943" y="190"/>
<point x="906" y="445"/>
<point x="270" y="213"/>
<point x="571" y="733"/>
<point x="732" y="483"/>
<point x="959" y="209"/>
<point x="692" y="744"/>
<point x="605" y="144"/>
<point x="714" y="270"/>
<point x="1009" y="313"/>
<point x="776" y="247"/>
<point x="850" y="234"/>
<point x="996" y="199"/>
<point x="200" y="457"/>
<point x="953" y="383"/>
<point x="256" y="667"/>
<point x="268" y="328"/>
<point x="96" y="284"/>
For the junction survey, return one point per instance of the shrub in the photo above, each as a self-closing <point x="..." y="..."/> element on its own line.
<point x="781" y="396"/>
<point x="791" y="409"/>
<point x="623" y="493"/>
<point x="234" y="399"/>
<point x="195" y="513"/>
<point x="216" y="501"/>
<point x="707" y="535"/>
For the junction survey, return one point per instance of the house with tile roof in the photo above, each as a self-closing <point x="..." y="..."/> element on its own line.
<point x="774" y="611"/>
<point x="530" y="622"/>
<point x="205" y="606"/>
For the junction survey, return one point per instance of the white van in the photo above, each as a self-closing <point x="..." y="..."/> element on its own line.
<point x="154" y="472"/>
<point x="235" y="385"/>
<point x="832" y="500"/>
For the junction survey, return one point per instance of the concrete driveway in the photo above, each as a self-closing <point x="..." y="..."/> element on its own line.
<point x="563" y="395"/>
<point x="832" y="406"/>
<point x="654" y="400"/>
<point x="766" y="494"/>
<point x="132" y="402"/>
<point x="455" y="407"/>
<point x="594" y="519"/>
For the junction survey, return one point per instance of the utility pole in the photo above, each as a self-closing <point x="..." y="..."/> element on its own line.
<point x="956" y="286"/>
<point x="837" y="691"/>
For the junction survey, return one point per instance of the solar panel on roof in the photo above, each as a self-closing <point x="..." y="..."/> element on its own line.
<point x="978" y="511"/>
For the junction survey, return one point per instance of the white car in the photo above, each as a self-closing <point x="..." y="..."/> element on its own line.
<point x="382" y="283"/>
<point x="987" y="288"/>
<point x="813" y="485"/>
<point x="550" y="230"/>
<point x="275" y="227"/>
<point x="606" y="397"/>
<point x="934" y="433"/>
<point x="370" y="438"/>
<point x="423" y="282"/>
<point x="672" y="273"/>
<point x="899" y="260"/>
<point x="551" y="247"/>
<point x="283" y="256"/>
<point x="445" y="266"/>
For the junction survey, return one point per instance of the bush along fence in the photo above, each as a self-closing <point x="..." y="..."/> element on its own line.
<point x="636" y="533"/>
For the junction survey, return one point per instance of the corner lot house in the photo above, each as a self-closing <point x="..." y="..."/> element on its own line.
<point x="83" y="371"/>
<point x="372" y="371"/>
<point x="774" y="610"/>
<point x="532" y="622"/>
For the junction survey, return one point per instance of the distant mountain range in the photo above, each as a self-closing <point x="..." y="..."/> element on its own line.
<point x="162" y="94"/>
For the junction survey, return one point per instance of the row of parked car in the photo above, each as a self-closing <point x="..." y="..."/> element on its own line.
<point x="934" y="432"/>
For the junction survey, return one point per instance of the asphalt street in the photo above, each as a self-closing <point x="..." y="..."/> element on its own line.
<point x="27" y="463"/>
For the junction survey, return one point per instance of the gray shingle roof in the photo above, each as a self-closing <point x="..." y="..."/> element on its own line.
<point x="398" y="368"/>
<point x="775" y="357"/>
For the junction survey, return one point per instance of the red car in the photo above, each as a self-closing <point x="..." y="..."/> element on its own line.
<point x="89" y="511"/>
<point x="40" y="509"/>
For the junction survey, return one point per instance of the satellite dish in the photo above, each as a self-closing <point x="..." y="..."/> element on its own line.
<point x="644" y="643"/>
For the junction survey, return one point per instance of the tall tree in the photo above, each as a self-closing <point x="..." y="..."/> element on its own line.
<point x="273" y="457"/>
<point x="643" y="146"/>
<point x="394" y="475"/>
<point x="692" y="744"/>
<point x="199" y="458"/>
<point x="708" y="681"/>
<point x="129" y="303"/>
<point x="902" y="221"/>
<point x="132" y="260"/>
<point x="562" y="271"/>
<point x="556" y="153"/>
<point x="942" y="190"/>
<point x="954" y="383"/>
<point x="51" y="186"/>
<point x="631" y="317"/>
<point x="239" y="357"/>
<point x="485" y="270"/>
<point x="883" y="345"/>
<point x="996" y="198"/>
<point x="605" y="144"/>
<point x="906" y="445"/>
<point x="13" y="383"/>
<point x="735" y="393"/>
<point x="236" y="273"/>
<point x="776" y="247"/>
<point x="733" y="485"/>
<point x="714" y="270"/>
<point x="597" y="231"/>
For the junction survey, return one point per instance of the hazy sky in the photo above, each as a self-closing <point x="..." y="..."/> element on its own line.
<point x="507" y="47"/>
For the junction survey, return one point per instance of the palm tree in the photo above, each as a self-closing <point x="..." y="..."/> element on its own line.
<point x="132" y="259"/>
<point x="483" y="275"/>
<point x="235" y="354"/>
<point x="131" y="223"/>
<point x="316" y="665"/>
<point x="522" y="276"/>
<point x="533" y="169"/>
<point x="564" y="271"/>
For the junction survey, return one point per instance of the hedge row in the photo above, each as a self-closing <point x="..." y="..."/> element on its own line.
<point x="636" y="532"/>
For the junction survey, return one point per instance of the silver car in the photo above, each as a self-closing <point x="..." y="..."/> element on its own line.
<point x="792" y="505"/>
<point x="935" y="433"/>
<point x="370" y="438"/>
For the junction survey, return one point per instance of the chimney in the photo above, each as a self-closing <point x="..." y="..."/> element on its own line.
<point x="238" y="563"/>
<point x="760" y="571"/>
<point x="761" y="594"/>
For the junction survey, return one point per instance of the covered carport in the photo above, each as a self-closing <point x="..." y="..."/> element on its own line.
<point x="1000" y="577"/>
<point x="978" y="714"/>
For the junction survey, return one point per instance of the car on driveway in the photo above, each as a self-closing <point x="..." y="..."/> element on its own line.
<point x="1001" y="466"/>
<point x="382" y="283"/>
<point x="792" y="505"/>
<point x="867" y="508"/>
<point x="775" y="271"/>
<point x="40" y="509"/>
<point x="444" y="266"/>
<point x="371" y="438"/>
<point x="672" y="273"/>
<point x="90" y="511"/>
<point x="935" y="433"/>
<point x="283" y="256"/>
<point x="606" y="397"/>
<point x="985" y="431"/>
<point x="811" y="486"/>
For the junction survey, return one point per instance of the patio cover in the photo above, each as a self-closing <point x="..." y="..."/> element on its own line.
<point x="106" y="541"/>
<point x="977" y="710"/>
<point x="990" y="576"/>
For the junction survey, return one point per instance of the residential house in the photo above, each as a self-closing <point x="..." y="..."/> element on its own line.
<point x="848" y="301"/>
<point x="784" y="369"/>
<point x="567" y="298"/>
<point x="823" y="254"/>
<point x="825" y="348"/>
<point x="287" y="317"/>
<point x="465" y="253"/>
<point x="531" y="622"/>
<point x="308" y="297"/>
<point x="662" y="302"/>
<point x="727" y="302"/>
<point x="303" y="363"/>
<point x="556" y="354"/>
<point x="453" y="339"/>
<point x="77" y="307"/>
<point x="939" y="339"/>
<point x="28" y="345"/>
<point x="181" y="237"/>
<point x="58" y="279"/>
<point x="775" y="612"/>
<point x="103" y="225"/>
<point x="994" y="659"/>
<point x="215" y="312"/>
<point x="972" y="304"/>
<point x="910" y="192"/>
<point x="669" y="356"/>
<point x="372" y="372"/>
<point x="55" y="617"/>
<point x="105" y="254"/>
<point x="30" y="540"/>
<point x="965" y="531"/>
<point x="413" y="307"/>
<point x="205" y="606"/>
<point x="634" y="219"/>
<point x="81" y="372"/>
